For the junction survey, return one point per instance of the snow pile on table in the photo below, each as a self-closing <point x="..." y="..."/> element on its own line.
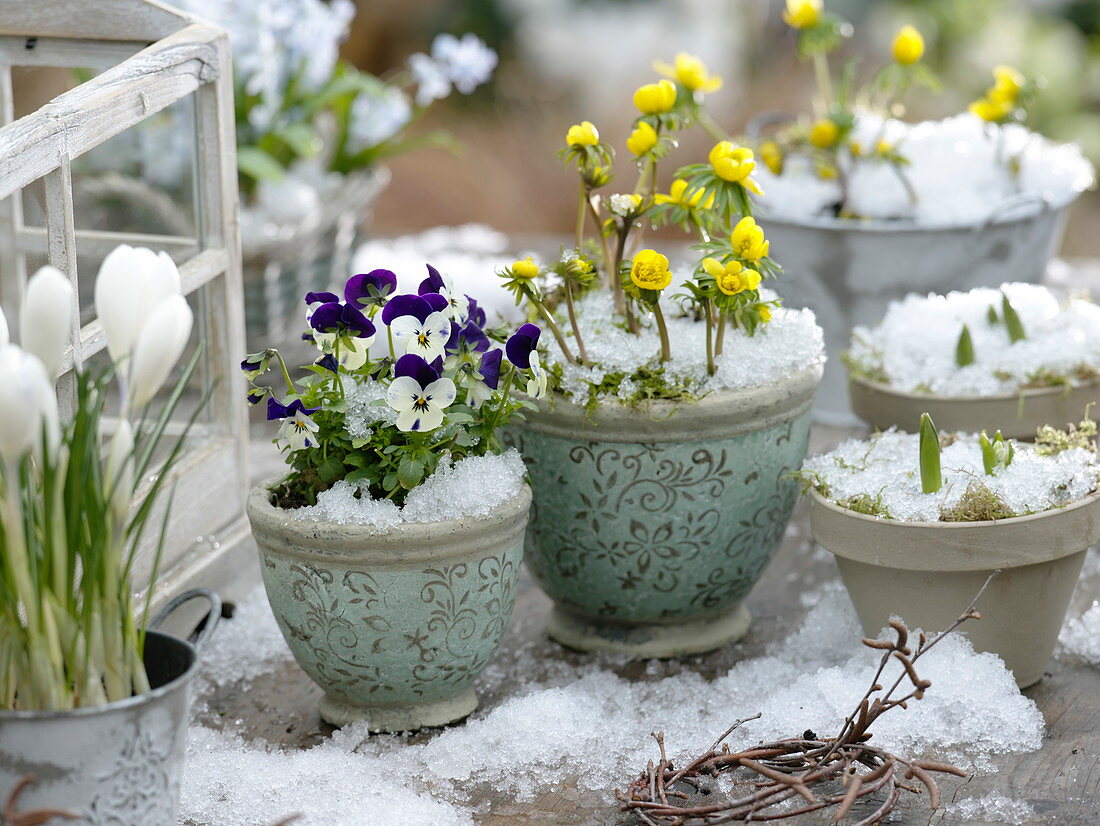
<point x="470" y="487"/>
<point x="585" y="724"/>
<point x="886" y="468"/>
<point x="1081" y="634"/>
<point x="992" y="808"/>
<point x="956" y="167"/>
<point x="470" y="254"/>
<point x="790" y="342"/>
<point x="913" y="347"/>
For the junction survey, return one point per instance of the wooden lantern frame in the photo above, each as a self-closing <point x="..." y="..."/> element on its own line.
<point x="149" y="56"/>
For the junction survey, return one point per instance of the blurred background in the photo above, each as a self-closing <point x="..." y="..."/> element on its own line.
<point x="564" y="60"/>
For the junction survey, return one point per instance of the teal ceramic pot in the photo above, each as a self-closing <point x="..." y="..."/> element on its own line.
<point x="651" y="525"/>
<point x="394" y="626"/>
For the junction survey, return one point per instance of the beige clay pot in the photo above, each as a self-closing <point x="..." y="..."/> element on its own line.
<point x="1016" y="415"/>
<point x="928" y="572"/>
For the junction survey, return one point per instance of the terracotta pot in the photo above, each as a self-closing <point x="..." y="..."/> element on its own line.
<point x="395" y="626"/>
<point x="848" y="271"/>
<point x="1016" y="415"/>
<point x="650" y="525"/>
<point x="928" y="572"/>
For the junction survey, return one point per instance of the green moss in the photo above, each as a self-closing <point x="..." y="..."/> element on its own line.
<point x="977" y="504"/>
<point x="650" y="384"/>
<point x="866" y="504"/>
<point x="1050" y="442"/>
<point x="866" y="370"/>
<point x="809" y="479"/>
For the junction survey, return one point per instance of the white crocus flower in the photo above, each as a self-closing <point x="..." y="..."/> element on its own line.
<point x="27" y="399"/>
<point x="427" y="338"/>
<point x="159" y="347"/>
<point x="298" y="431"/>
<point x="132" y="281"/>
<point x="45" y="322"/>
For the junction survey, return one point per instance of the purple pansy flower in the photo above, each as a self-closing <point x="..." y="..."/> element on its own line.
<point x="523" y="353"/>
<point x="489" y="374"/>
<point x="436" y="282"/>
<point x="299" y="430"/>
<point x="465" y="344"/>
<point x="418" y="394"/>
<point x="328" y="362"/>
<point x="475" y="313"/>
<point x="336" y="318"/>
<point x="419" y="323"/>
<point x="370" y="288"/>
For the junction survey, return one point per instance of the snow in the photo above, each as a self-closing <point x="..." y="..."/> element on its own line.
<point x="471" y="255"/>
<point x="788" y="343"/>
<point x="576" y="719"/>
<point x="888" y="464"/>
<point x="1080" y="635"/>
<point x="914" y="344"/>
<point x="471" y="487"/>
<point x="953" y="167"/>
<point x="992" y="808"/>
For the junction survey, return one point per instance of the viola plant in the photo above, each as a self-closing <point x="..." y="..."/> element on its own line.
<point x="830" y="139"/>
<point x="78" y="494"/>
<point x="401" y="383"/>
<point x="710" y="201"/>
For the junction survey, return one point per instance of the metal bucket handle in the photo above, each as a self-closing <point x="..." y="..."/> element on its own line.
<point x="201" y="637"/>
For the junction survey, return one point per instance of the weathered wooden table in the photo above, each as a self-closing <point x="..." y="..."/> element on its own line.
<point x="1061" y="782"/>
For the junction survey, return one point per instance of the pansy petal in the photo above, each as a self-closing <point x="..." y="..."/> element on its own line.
<point x="433" y="283"/>
<point x="437" y="302"/>
<point x="441" y="392"/>
<point x="403" y="392"/>
<point x="327" y="317"/>
<point x="405" y="305"/>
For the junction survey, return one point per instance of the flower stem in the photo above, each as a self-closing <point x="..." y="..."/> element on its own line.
<point x="553" y="325"/>
<point x="710" y="339"/>
<point x="824" y="82"/>
<point x="662" y="329"/>
<point x="580" y="216"/>
<point x="286" y="373"/>
<point x="719" y="339"/>
<point x="710" y="125"/>
<point x="389" y="336"/>
<point x="571" y="310"/>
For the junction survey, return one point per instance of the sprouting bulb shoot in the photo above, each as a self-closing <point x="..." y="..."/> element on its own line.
<point x="996" y="452"/>
<point x="964" y="350"/>
<point x="931" y="477"/>
<point x="1013" y="324"/>
<point x="991" y="315"/>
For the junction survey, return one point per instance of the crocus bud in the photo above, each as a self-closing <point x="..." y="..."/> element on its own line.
<point x="120" y="469"/>
<point x="46" y="319"/>
<point x="24" y="390"/>
<point x="132" y="281"/>
<point x="158" y="348"/>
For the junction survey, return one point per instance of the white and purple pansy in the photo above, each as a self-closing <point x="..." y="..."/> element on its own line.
<point x="487" y="378"/>
<point x="465" y="345"/>
<point x="418" y="394"/>
<point x="457" y="303"/>
<point x="420" y="324"/>
<point x="343" y="328"/>
<point x="370" y="289"/>
<point x="522" y="349"/>
<point x="298" y="431"/>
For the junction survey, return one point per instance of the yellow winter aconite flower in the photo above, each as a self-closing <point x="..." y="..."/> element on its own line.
<point x="765" y="313"/>
<point x="772" y="156"/>
<point x="650" y="270"/>
<point x="748" y="239"/>
<point x="802" y="14"/>
<point x="690" y="72"/>
<point x="525" y="268"/>
<point x="731" y="278"/>
<point x="731" y="162"/>
<point x="855" y="148"/>
<point x="1007" y="83"/>
<point x="991" y="110"/>
<point x="655" y="98"/>
<point x="883" y="148"/>
<point x="642" y="139"/>
<point x="824" y="133"/>
<point x="584" y="133"/>
<point x="908" y="46"/>
<point x="676" y="193"/>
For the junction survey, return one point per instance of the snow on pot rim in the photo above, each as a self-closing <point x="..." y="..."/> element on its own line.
<point x="954" y="169"/>
<point x="913" y="347"/>
<point x="789" y="344"/>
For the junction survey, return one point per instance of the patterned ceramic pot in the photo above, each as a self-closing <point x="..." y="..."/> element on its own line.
<point x="394" y="626"/>
<point x="651" y="525"/>
<point x="113" y="765"/>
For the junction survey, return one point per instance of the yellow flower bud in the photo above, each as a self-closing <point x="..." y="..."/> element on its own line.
<point x="772" y="156"/>
<point x="690" y="72"/>
<point x="1007" y="83"/>
<point x="676" y="197"/>
<point x="642" y="139"/>
<point x="731" y="162"/>
<point x="802" y="14"/>
<point x="582" y="134"/>
<point x="855" y="148"/>
<point x="908" y="46"/>
<point x="655" y="98"/>
<point x="650" y="270"/>
<point x="883" y="147"/>
<point x="525" y="268"/>
<point x="823" y="133"/>
<point x="748" y="239"/>
<point x="765" y="313"/>
<point x="991" y="110"/>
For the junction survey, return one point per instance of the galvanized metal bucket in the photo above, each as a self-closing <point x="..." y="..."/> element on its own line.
<point x="848" y="271"/>
<point x="118" y="764"/>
